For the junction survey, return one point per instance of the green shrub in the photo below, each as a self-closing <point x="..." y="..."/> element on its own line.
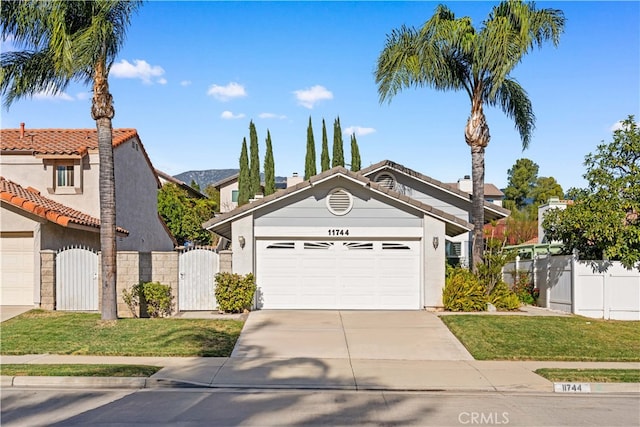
<point x="463" y="291"/>
<point x="234" y="293"/>
<point x="152" y="298"/>
<point x="523" y="287"/>
<point x="503" y="298"/>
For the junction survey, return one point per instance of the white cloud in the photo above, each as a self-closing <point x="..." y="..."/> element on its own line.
<point x="81" y="96"/>
<point x="225" y="93"/>
<point x="140" y="69"/>
<point x="617" y="126"/>
<point x="51" y="96"/>
<point x="358" y="130"/>
<point x="308" y="97"/>
<point x="272" y="116"/>
<point x="162" y="81"/>
<point x="228" y="115"/>
<point x="185" y="83"/>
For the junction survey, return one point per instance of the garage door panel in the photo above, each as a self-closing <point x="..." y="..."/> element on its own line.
<point x="17" y="268"/>
<point x="339" y="275"/>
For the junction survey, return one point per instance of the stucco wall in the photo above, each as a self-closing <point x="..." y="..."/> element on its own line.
<point x="226" y="197"/>
<point x="137" y="201"/>
<point x="434" y="262"/>
<point x="242" y="258"/>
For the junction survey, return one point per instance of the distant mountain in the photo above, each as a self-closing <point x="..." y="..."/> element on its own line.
<point x="211" y="176"/>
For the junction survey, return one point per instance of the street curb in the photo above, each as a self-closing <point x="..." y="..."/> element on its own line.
<point x="93" y="382"/>
<point x="159" y="383"/>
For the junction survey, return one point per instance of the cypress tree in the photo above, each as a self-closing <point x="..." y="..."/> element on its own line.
<point x="254" y="162"/>
<point x="324" y="156"/>
<point x="355" y="154"/>
<point x="269" y="169"/>
<point x="243" y="179"/>
<point x="310" y="159"/>
<point x="338" y="151"/>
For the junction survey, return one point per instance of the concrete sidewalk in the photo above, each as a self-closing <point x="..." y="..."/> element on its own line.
<point x="321" y="374"/>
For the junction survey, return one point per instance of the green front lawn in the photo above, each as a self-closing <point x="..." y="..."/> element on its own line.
<point x="15" y="370"/>
<point x="492" y="337"/>
<point x="591" y="375"/>
<point x="55" y="332"/>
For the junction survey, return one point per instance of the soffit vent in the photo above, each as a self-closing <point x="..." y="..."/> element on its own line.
<point x="339" y="201"/>
<point x="386" y="180"/>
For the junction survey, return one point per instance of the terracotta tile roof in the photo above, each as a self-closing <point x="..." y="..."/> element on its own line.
<point x="58" y="141"/>
<point x="30" y="200"/>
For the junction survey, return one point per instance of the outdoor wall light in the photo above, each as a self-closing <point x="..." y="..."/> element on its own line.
<point x="436" y="242"/>
<point x="241" y="241"/>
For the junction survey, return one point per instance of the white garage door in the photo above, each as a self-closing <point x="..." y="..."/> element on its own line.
<point x="298" y="274"/>
<point x="17" y="265"/>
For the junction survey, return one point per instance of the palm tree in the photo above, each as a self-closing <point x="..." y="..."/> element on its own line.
<point x="450" y="54"/>
<point x="68" y="41"/>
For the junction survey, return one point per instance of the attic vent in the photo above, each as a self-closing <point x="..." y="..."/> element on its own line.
<point x="339" y="201"/>
<point x="386" y="180"/>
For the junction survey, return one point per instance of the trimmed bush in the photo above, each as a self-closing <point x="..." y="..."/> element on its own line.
<point x="463" y="291"/>
<point x="155" y="297"/>
<point x="234" y="293"/>
<point x="523" y="287"/>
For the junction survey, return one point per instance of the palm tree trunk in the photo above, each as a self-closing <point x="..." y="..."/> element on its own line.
<point x="477" y="136"/>
<point x="102" y="112"/>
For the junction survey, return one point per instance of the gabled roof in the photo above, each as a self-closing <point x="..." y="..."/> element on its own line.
<point x="226" y="180"/>
<point x="63" y="142"/>
<point x="222" y="224"/>
<point x="186" y="187"/>
<point x="495" y="210"/>
<point x="30" y="200"/>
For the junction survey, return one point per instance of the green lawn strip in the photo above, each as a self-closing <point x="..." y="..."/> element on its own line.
<point x="572" y="338"/>
<point x="38" y="332"/>
<point x="78" y="370"/>
<point x="591" y="375"/>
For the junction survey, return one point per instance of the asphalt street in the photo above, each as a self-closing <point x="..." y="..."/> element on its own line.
<point x="224" y="407"/>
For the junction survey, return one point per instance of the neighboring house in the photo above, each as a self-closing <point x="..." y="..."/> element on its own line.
<point x="552" y="203"/>
<point x="346" y="240"/>
<point x="29" y="223"/>
<point x="62" y="166"/>
<point x="228" y="189"/>
<point x="447" y="197"/>
<point x="191" y="192"/>
<point x="492" y="194"/>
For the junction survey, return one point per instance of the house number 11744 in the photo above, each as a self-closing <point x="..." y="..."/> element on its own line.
<point x="338" y="232"/>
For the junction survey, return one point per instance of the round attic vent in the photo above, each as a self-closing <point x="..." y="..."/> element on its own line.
<point x="339" y="201"/>
<point x="386" y="180"/>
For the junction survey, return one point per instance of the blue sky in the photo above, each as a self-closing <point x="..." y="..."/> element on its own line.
<point x="193" y="74"/>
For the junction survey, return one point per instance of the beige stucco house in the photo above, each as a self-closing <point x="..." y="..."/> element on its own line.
<point x="52" y="174"/>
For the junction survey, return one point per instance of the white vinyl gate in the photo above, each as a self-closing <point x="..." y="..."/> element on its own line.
<point x="77" y="279"/>
<point x="197" y="267"/>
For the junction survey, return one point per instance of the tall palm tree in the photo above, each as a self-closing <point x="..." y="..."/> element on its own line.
<point x="68" y="41"/>
<point x="448" y="53"/>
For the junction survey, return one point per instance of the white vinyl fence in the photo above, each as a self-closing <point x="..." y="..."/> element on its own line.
<point x="197" y="269"/>
<point x="77" y="279"/>
<point x="596" y="289"/>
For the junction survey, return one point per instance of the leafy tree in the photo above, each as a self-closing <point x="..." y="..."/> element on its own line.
<point x="310" y="158"/>
<point x="355" y="154"/>
<point x="65" y="41"/>
<point x="545" y="188"/>
<point x="450" y="54"/>
<point x="324" y="155"/>
<point x="212" y="192"/>
<point x="254" y="162"/>
<point x="184" y="215"/>
<point x="194" y="185"/>
<point x="604" y="220"/>
<point x="522" y="179"/>
<point x="244" y="185"/>
<point x="338" y="150"/>
<point x="269" y="169"/>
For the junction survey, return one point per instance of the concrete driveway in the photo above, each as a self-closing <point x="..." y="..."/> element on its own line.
<point x="9" y="311"/>
<point x="380" y="335"/>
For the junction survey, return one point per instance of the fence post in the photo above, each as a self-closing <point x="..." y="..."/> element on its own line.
<point x="516" y="277"/>
<point x="574" y="259"/>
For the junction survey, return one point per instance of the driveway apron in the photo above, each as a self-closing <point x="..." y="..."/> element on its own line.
<point x="393" y="335"/>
